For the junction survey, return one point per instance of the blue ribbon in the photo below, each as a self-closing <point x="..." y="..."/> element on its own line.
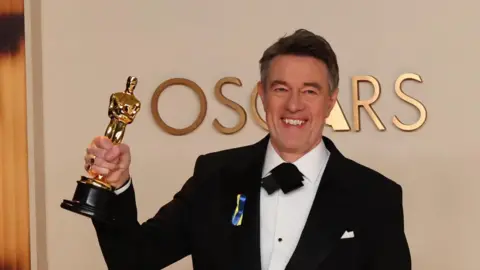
<point x="238" y="214"/>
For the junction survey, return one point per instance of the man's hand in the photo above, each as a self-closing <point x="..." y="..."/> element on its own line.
<point x="109" y="160"/>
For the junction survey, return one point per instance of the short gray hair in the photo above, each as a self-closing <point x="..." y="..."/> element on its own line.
<point x="302" y="43"/>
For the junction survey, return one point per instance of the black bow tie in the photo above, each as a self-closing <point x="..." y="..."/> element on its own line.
<point x="285" y="176"/>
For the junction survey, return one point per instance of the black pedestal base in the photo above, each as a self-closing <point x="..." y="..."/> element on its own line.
<point x="90" y="201"/>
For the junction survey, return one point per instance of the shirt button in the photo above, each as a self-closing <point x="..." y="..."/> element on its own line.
<point x="280" y="239"/>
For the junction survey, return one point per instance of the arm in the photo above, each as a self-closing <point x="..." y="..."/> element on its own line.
<point x="158" y="242"/>
<point x="111" y="105"/>
<point x="390" y="246"/>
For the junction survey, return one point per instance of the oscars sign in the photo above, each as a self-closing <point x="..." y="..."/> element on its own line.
<point x="337" y="120"/>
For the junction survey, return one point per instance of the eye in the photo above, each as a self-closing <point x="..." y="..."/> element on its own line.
<point x="280" y="89"/>
<point x="310" y="92"/>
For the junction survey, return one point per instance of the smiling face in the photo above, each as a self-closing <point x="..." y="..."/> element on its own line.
<point x="297" y="103"/>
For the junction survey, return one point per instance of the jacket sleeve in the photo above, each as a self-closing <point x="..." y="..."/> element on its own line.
<point x="160" y="241"/>
<point x="390" y="247"/>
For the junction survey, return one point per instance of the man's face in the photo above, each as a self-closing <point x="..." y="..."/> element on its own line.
<point x="297" y="103"/>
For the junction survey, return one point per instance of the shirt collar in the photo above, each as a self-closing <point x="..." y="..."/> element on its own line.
<point x="310" y="164"/>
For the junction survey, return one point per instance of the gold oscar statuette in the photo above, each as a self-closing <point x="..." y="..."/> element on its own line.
<point x="93" y="194"/>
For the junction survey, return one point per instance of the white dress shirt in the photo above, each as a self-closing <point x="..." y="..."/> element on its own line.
<point x="283" y="216"/>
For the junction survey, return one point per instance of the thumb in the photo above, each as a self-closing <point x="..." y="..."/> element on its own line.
<point x="117" y="151"/>
<point x="124" y="155"/>
<point x="112" y="154"/>
<point x="103" y="142"/>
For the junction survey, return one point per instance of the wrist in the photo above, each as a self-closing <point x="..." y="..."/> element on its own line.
<point x="123" y="180"/>
<point x="125" y="185"/>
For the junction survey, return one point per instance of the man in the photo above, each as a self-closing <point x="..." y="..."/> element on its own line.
<point x="238" y="211"/>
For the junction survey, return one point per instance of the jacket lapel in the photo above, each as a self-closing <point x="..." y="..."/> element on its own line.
<point x="328" y="218"/>
<point x="243" y="241"/>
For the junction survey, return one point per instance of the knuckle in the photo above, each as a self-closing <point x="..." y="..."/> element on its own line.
<point x="105" y="164"/>
<point x="99" y="169"/>
<point x="99" y="161"/>
<point x="112" y="166"/>
<point x="93" y="169"/>
<point x="98" y="152"/>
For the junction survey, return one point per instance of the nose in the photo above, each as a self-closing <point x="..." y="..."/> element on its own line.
<point x="294" y="102"/>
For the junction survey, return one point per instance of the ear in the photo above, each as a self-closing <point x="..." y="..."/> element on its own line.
<point x="261" y="91"/>
<point x="332" y="100"/>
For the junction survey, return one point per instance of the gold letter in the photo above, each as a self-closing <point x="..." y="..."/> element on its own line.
<point x="239" y="109"/>
<point x="203" y="105"/>
<point x="337" y="119"/>
<point x="408" y="99"/>
<point x="254" y="109"/>
<point x="365" y="103"/>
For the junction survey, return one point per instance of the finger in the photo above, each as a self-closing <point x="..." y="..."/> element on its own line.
<point x="97" y="152"/>
<point x="89" y="159"/>
<point x="112" y="154"/>
<point x="87" y="167"/>
<point x="99" y="170"/>
<point x="115" y="161"/>
<point x="103" y="142"/>
<point x="100" y="162"/>
<point x="117" y="152"/>
<point x="125" y="157"/>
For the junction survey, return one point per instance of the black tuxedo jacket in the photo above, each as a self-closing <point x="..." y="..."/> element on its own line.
<point x="197" y="221"/>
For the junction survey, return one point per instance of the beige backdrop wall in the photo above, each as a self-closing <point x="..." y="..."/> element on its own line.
<point x="90" y="47"/>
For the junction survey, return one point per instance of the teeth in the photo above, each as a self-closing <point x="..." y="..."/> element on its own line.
<point x="294" y="122"/>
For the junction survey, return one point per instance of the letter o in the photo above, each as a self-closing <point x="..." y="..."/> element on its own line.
<point x="203" y="106"/>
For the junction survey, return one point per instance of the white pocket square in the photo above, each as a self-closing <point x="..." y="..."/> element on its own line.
<point x="348" y="234"/>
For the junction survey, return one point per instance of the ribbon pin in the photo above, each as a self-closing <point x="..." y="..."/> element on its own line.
<point x="238" y="214"/>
